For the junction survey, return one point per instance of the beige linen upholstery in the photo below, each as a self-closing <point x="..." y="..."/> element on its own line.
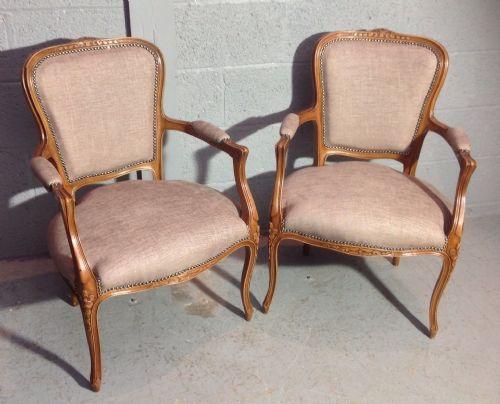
<point x="45" y="172"/>
<point x="374" y="92"/>
<point x="290" y="125"/>
<point x="96" y="101"/>
<point x="457" y="139"/>
<point x="365" y="204"/>
<point x="135" y="232"/>
<point x="208" y="132"/>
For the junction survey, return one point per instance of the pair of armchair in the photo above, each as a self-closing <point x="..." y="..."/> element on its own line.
<point x="98" y="104"/>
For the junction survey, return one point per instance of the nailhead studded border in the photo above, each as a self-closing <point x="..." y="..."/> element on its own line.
<point x="155" y="104"/>
<point x="102" y="290"/>
<point x="378" y="40"/>
<point x="363" y="245"/>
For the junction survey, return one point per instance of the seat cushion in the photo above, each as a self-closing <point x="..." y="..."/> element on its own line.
<point x="365" y="204"/>
<point x="136" y="232"/>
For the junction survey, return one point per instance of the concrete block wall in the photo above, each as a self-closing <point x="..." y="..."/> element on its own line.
<point x="244" y="64"/>
<point x="25" y="26"/>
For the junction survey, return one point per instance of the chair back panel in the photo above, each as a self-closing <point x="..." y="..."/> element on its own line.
<point x="375" y="90"/>
<point x="100" y="105"/>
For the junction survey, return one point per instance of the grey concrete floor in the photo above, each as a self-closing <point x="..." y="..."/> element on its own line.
<point x="341" y="329"/>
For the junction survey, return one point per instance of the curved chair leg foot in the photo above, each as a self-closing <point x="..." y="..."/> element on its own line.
<point x="443" y="279"/>
<point x="273" y="269"/>
<point x="246" y="277"/>
<point x="89" y="309"/>
<point x="306" y="249"/>
<point x="395" y="261"/>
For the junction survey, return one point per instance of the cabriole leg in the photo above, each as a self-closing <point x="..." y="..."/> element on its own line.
<point x="273" y="269"/>
<point x="246" y="277"/>
<point x="444" y="277"/>
<point x="89" y="307"/>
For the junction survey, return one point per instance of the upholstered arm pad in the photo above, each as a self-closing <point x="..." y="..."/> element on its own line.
<point x="290" y="125"/>
<point x="45" y="172"/>
<point x="457" y="139"/>
<point x="208" y="132"/>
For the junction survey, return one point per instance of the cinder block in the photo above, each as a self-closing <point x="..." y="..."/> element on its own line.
<point x="200" y="95"/>
<point x="3" y="34"/>
<point x="38" y="4"/>
<point x="231" y="34"/>
<point x="484" y="187"/>
<point x="264" y="92"/>
<point x="481" y="124"/>
<point x="18" y="130"/>
<point x="459" y="25"/>
<point x="472" y="81"/>
<point x="260" y="140"/>
<point x="30" y="27"/>
<point x="25" y="211"/>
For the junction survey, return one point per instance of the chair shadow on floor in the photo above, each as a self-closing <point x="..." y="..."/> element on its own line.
<point x="24" y="283"/>
<point x="290" y="254"/>
<point x="29" y="345"/>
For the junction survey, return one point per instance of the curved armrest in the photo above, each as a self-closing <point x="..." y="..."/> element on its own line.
<point x="216" y="137"/>
<point x="455" y="137"/>
<point x="459" y="142"/>
<point x="288" y="129"/>
<point x="208" y="132"/>
<point x="45" y="172"/>
<point x="289" y="126"/>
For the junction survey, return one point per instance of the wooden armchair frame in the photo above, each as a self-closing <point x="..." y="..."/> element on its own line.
<point x="86" y="291"/>
<point x="455" y="138"/>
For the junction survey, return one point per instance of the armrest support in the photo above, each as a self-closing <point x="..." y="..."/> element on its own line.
<point x="219" y="139"/>
<point x="288" y="129"/>
<point x="45" y="172"/>
<point x="50" y="178"/>
<point x="459" y="142"/>
<point x="83" y="272"/>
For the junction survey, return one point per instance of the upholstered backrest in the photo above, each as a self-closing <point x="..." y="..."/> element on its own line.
<point x="99" y="101"/>
<point x="375" y="89"/>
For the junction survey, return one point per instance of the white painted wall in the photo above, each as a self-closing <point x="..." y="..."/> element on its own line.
<point x="243" y="64"/>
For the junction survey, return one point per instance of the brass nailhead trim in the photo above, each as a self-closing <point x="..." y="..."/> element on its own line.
<point x="426" y="100"/>
<point x="155" y="104"/>
<point x="164" y="278"/>
<point x="351" y="244"/>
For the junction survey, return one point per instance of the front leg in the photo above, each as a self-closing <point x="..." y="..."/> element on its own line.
<point x="444" y="277"/>
<point x="246" y="277"/>
<point x="89" y="306"/>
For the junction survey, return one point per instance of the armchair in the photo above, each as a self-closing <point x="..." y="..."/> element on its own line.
<point x="375" y="97"/>
<point x="98" y="103"/>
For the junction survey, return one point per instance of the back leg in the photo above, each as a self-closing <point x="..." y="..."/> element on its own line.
<point x="306" y="249"/>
